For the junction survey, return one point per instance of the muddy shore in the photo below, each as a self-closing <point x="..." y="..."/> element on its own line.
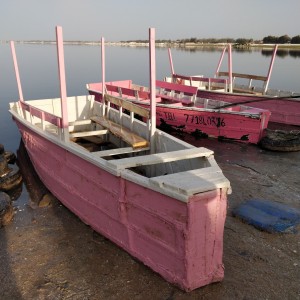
<point x="48" y="253"/>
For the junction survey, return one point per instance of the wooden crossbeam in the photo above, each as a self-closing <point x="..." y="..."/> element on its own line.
<point x="128" y="136"/>
<point x="117" y="151"/>
<point x="160" y="158"/>
<point x="144" y="112"/>
<point x="246" y="76"/>
<point x="88" y="133"/>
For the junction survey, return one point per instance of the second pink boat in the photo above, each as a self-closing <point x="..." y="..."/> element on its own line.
<point x="180" y="109"/>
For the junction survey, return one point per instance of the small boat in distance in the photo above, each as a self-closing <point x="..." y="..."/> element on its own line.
<point x="159" y="198"/>
<point x="283" y="105"/>
<point x="180" y="109"/>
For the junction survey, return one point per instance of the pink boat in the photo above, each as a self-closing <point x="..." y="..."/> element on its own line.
<point x="180" y="109"/>
<point x="283" y="105"/>
<point x="157" y="197"/>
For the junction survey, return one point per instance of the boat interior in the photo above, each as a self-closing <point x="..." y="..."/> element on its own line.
<point x="170" y="94"/>
<point x="115" y="135"/>
<point x="242" y="83"/>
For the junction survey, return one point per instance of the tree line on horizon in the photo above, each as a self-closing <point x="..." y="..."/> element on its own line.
<point x="284" y="39"/>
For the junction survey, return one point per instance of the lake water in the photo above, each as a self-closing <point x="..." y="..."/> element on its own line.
<point x="39" y="75"/>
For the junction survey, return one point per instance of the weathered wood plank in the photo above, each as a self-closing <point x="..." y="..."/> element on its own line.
<point x="144" y="112"/>
<point x="128" y="136"/>
<point x="80" y="122"/>
<point x="117" y="151"/>
<point x="186" y="89"/>
<point x="160" y="158"/>
<point x="88" y="133"/>
<point x="247" y="76"/>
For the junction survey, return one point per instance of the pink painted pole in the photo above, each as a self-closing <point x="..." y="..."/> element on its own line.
<point x="103" y="73"/>
<point x="103" y="67"/>
<point x="62" y="80"/>
<point x="13" y="51"/>
<point x="270" y="69"/>
<point x="230" y="67"/>
<point x="152" y="87"/>
<point x="171" y="61"/>
<point x="220" y="61"/>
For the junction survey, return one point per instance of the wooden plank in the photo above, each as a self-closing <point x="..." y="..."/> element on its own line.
<point x="80" y="122"/>
<point x="128" y="136"/>
<point x="88" y="133"/>
<point x="160" y="158"/>
<point x="193" y="182"/>
<point x="186" y="89"/>
<point x="209" y="79"/>
<point x="247" y="91"/>
<point x="144" y="112"/>
<point x="247" y="76"/>
<point x="117" y="151"/>
<point x="130" y="93"/>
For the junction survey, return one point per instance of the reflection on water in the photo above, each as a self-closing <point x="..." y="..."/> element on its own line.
<point x="35" y="188"/>
<point x="281" y="53"/>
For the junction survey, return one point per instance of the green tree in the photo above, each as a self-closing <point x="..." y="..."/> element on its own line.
<point x="270" y="39"/>
<point x="295" y="39"/>
<point x="242" y="41"/>
<point x="284" y="39"/>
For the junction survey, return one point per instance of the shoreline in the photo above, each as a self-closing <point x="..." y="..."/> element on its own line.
<point x="162" y="44"/>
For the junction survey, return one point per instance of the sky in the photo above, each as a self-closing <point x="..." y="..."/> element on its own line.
<point x="122" y="20"/>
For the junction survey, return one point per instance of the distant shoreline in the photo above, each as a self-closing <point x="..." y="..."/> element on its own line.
<point x="160" y="44"/>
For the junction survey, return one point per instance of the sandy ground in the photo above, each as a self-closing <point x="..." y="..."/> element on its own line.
<point x="48" y="253"/>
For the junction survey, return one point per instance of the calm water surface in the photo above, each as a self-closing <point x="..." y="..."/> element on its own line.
<point x="39" y="75"/>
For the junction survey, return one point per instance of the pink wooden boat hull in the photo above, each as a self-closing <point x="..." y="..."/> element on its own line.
<point x="284" y="110"/>
<point x="235" y="127"/>
<point x="248" y="127"/>
<point x="182" y="241"/>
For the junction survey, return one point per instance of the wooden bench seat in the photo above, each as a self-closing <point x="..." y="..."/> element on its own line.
<point x="157" y="158"/>
<point x="118" y="130"/>
<point x="248" y="77"/>
<point x="176" y="92"/>
<point x="118" y="151"/>
<point x="88" y="133"/>
<point x="210" y="82"/>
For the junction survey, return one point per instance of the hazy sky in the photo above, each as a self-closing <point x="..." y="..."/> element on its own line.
<point x="130" y="19"/>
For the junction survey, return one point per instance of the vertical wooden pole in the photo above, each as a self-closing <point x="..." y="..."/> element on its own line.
<point x="13" y="52"/>
<point x="230" y="68"/>
<point x="171" y="61"/>
<point x="62" y="80"/>
<point x="270" y="69"/>
<point x="152" y="88"/>
<point x="220" y="61"/>
<point x="103" y="74"/>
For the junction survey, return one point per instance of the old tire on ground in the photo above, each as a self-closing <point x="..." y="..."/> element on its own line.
<point x="10" y="157"/>
<point x="11" y="179"/>
<point x="4" y="169"/>
<point x="280" y="140"/>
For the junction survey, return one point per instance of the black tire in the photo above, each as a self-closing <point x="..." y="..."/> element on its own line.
<point x="280" y="140"/>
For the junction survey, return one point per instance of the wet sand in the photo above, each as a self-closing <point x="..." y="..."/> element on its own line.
<point x="48" y="253"/>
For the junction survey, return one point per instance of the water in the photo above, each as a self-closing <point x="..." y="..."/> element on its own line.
<point x="39" y="75"/>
